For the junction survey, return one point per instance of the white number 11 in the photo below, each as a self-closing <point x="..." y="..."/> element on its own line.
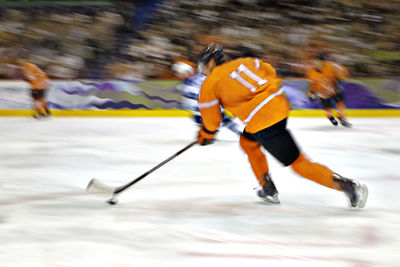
<point x="236" y="74"/>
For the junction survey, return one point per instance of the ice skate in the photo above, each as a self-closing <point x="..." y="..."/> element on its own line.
<point x="345" y="123"/>
<point x="356" y="192"/>
<point x="47" y="116"/>
<point x="38" y="116"/>
<point x="48" y="113"/>
<point x="333" y="121"/>
<point x="268" y="192"/>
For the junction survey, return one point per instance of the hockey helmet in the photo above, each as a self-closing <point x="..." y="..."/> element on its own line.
<point x="212" y="51"/>
<point x="182" y="68"/>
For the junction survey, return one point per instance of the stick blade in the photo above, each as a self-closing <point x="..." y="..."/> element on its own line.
<point x="97" y="187"/>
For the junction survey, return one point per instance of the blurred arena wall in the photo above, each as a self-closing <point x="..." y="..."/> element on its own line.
<point x="364" y="97"/>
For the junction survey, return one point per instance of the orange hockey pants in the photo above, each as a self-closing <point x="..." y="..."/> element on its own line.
<point x="303" y="166"/>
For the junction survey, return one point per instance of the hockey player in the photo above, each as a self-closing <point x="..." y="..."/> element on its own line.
<point x="324" y="77"/>
<point x="250" y="90"/>
<point x="190" y="89"/>
<point x="40" y="83"/>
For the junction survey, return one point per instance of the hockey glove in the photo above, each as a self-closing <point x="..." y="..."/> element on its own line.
<point x="205" y="136"/>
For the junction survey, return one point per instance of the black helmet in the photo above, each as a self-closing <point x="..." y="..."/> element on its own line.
<point x="214" y="51"/>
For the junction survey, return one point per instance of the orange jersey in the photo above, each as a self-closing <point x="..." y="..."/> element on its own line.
<point x="35" y="76"/>
<point x="249" y="89"/>
<point x="324" y="83"/>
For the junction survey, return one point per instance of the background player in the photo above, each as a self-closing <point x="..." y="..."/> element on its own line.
<point x="324" y="77"/>
<point x="40" y="83"/>
<point x="250" y="90"/>
<point x="190" y="89"/>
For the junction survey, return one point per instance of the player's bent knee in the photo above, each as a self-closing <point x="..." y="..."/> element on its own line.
<point x="248" y="145"/>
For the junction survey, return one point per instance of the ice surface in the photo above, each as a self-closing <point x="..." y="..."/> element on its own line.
<point x="197" y="210"/>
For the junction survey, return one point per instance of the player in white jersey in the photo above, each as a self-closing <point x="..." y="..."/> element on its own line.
<point x="190" y="89"/>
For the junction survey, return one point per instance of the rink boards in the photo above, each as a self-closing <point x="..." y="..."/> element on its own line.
<point x="367" y="97"/>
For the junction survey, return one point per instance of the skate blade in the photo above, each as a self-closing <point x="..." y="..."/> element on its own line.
<point x="271" y="199"/>
<point x="363" y="196"/>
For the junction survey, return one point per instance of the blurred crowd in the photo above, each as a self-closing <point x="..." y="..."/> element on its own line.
<point x="136" y="40"/>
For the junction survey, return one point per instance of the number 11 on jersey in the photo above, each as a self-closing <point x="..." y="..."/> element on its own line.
<point x="238" y="76"/>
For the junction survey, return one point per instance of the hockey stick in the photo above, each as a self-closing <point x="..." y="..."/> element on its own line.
<point x="95" y="186"/>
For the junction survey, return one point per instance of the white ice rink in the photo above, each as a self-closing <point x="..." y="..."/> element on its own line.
<point x="197" y="210"/>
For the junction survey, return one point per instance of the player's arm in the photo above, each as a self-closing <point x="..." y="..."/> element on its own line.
<point x="210" y="110"/>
